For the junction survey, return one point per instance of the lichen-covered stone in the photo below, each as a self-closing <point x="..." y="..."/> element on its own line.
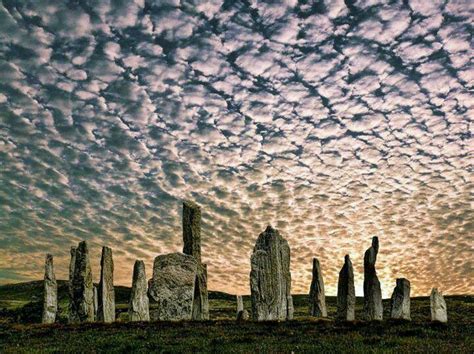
<point x="439" y="311"/>
<point x="400" y="302"/>
<point x="270" y="278"/>
<point x="82" y="286"/>
<point x="317" y="297"/>
<point x="172" y="287"/>
<point x="50" y="300"/>
<point x="373" y="309"/>
<point x="138" y="307"/>
<point x="346" y="292"/>
<point x="106" y="292"/>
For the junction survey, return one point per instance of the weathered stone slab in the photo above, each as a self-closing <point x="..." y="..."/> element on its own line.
<point x="201" y="297"/>
<point x="400" y="304"/>
<point x="317" y="297"/>
<point x="439" y="311"/>
<point x="172" y="287"/>
<point x="71" y="314"/>
<point x="270" y="278"/>
<point x="373" y="309"/>
<point x="346" y="292"/>
<point x="96" y="302"/>
<point x="82" y="286"/>
<point x="50" y="295"/>
<point x="240" y="303"/>
<point x="138" y="308"/>
<point x="192" y="229"/>
<point x="106" y="291"/>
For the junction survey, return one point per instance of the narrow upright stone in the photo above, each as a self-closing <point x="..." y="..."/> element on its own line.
<point x="400" y="308"/>
<point x="192" y="229"/>
<point x="373" y="309"/>
<point x="71" y="313"/>
<point x="439" y="311"/>
<point x="201" y="297"/>
<point x="82" y="286"/>
<point x="106" y="303"/>
<point x="96" y="302"/>
<point x="138" y="307"/>
<point x="50" y="301"/>
<point x="240" y="303"/>
<point x="270" y="277"/>
<point x="346" y="292"/>
<point x="317" y="297"/>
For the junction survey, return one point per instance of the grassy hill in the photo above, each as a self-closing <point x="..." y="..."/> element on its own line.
<point x="20" y="308"/>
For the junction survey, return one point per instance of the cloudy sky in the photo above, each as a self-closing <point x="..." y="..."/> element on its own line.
<point x="334" y="121"/>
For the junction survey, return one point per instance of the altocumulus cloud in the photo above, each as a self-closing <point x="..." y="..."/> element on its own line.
<point x="332" y="120"/>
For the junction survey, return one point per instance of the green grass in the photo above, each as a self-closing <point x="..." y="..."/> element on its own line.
<point x="224" y="334"/>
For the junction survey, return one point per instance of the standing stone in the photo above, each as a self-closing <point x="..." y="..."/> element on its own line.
<point x="373" y="309"/>
<point x="138" y="307"/>
<point x="438" y="307"/>
<point x="50" y="303"/>
<point x="96" y="302"/>
<point x="346" y="292"/>
<point x="172" y="287"/>
<point x="82" y="286"/>
<point x="270" y="277"/>
<point x="400" y="308"/>
<point x="240" y="303"/>
<point x="243" y="316"/>
<point x="192" y="247"/>
<point x="290" y="308"/>
<point x="317" y="298"/>
<point x="71" y="314"/>
<point x="106" y="304"/>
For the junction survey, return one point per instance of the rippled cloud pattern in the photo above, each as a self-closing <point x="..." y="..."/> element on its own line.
<point x="334" y="121"/>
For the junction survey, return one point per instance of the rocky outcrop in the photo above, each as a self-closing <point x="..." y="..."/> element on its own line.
<point x="138" y="307"/>
<point x="373" y="309"/>
<point x="50" y="294"/>
<point x="346" y="292"/>
<point x="270" y="278"/>
<point x="439" y="311"/>
<point x="317" y="298"/>
<point x="400" y="302"/>
<point x="106" y="292"/>
<point x="72" y="262"/>
<point x="172" y="287"/>
<point x="82" y="286"/>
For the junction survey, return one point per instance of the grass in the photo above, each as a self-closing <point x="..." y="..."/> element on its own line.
<point x="224" y="334"/>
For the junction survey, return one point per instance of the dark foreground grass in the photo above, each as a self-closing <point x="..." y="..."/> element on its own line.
<point x="230" y="336"/>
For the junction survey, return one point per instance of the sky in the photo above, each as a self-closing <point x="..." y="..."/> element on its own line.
<point x="333" y="121"/>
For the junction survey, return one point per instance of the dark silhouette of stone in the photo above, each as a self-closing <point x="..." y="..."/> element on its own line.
<point x="346" y="292"/>
<point x="138" y="308"/>
<point x="172" y="287"/>
<point x="270" y="277"/>
<point x="439" y="311"/>
<point x="71" y="314"/>
<point x="50" y="300"/>
<point x="373" y="309"/>
<point x="317" y="297"/>
<point x="82" y="286"/>
<point x="106" y="292"/>
<point x="400" y="305"/>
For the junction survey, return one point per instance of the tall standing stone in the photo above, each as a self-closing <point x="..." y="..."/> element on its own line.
<point x="82" y="286"/>
<point x="317" y="298"/>
<point x="106" y="303"/>
<point x="240" y="303"/>
<point x="439" y="311"/>
<point x="172" y="287"/>
<point x="96" y="302"/>
<point x="346" y="292"/>
<point x="400" y="305"/>
<point x="373" y="309"/>
<point x="71" y="314"/>
<point x="192" y="247"/>
<point x="50" y="301"/>
<point x="270" y="277"/>
<point x="138" y="307"/>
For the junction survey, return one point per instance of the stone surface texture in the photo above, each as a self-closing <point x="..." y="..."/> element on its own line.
<point x="138" y="308"/>
<point x="346" y="292"/>
<point x="317" y="297"/>
<point x="270" y="277"/>
<point x="106" y="292"/>
<point x="439" y="311"/>
<point x="82" y="286"/>
<point x="243" y="316"/>
<point x="71" y="313"/>
<point x="50" y="294"/>
<point x="400" y="301"/>
<point x="373" y="309"/>
<point x="240" y="303"/>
